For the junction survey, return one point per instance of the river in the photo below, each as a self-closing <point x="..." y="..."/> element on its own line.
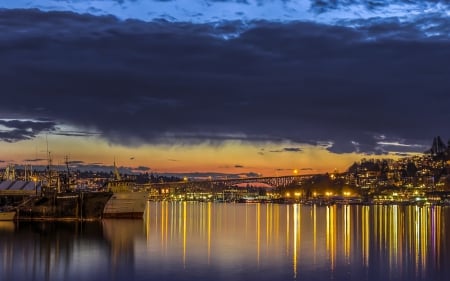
<point x="235" y="241"/>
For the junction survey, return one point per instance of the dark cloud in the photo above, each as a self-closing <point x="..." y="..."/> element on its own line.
<point x="287" y="149"/>
<point x="94" y="167"/>
<point x="402" y="154"/>
<point x="261" y="151"/>
<point x="34" y="160"/>
<point x="76" y="162"/>
<point x="321" y="6"/>
<point x="302" y="169"/>
<point x="73" y="133"/>
<point x="292" y="149"/>
<point x="99" y="167"/>
<point x="238" y="166"/>
<point x="162" y="82"/>
<point x="17" y="130"/>
<point x="96" y="163"/>
<point x="142" y="169"/>
<point x="251" y="175"/>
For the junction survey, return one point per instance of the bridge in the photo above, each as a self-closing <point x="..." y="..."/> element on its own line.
<point x="280" y="181"/>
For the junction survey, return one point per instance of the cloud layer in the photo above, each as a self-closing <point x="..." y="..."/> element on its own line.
<point x="361" y="88"/>
<point x="17" y="130"/>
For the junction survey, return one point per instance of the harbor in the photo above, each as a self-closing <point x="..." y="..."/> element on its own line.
<point x="123" y="199"/>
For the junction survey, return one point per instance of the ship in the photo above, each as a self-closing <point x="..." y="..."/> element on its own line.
<point x="58" y="199"/>
<point x="129" y="199"/>
<point x="67" y="205"/>
<point x="7" y="215"/>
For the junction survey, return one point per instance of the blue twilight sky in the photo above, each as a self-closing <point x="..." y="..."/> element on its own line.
<point x="345" y="77"/>
<point x="246" y="10"/>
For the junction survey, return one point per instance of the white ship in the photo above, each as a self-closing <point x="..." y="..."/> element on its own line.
<point x="128" y="200"/>
<point x="7" y="215"/>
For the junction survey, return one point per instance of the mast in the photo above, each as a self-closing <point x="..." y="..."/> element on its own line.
<point x="116" y="171"/>
<point x="49" y="168"/>
<point x="66" y="159"/>
<point x="49" y="165"/>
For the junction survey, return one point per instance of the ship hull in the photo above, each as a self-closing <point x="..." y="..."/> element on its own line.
<point x="65" y="206"/>
<point x="7" y="216"/>
<point x="126" y="204"/>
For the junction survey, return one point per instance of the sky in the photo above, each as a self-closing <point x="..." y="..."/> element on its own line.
<point x="238" y="87"/>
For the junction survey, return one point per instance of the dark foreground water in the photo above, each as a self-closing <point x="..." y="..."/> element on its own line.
<point x="208" y="241"/>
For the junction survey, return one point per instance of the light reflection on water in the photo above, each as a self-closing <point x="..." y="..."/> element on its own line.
<point x="205" y="241"/>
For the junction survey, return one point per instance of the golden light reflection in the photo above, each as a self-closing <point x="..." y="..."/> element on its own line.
<point x="258" y="233"/>
<point x="147" y="223"/>
<point x="424" y="237"/>
<point x="421" y="233"/>
<point x="328" y="229"/>
<point x="162" y="220"/>
<point x="378" y="230"/>
<point x="315" y="232"/>
<point x="393" y="237"/>
<point x="166" y="208"/>
<point x="268" y="225"/>
<point x="366" y="235"/>
<point x="287" y="230"/>
<point x="436" y="231"/>
<point x="209" y="232"/>
<point x="398" y="238"/>
<point x="417" y="238"/>
<point x="347" y="232"/>
<point x="331" y="235"/>
<point x="294" y="253"/>
<point x="277" y="229"/>
<point x="184" y="233"/>
<point x="246" y="218"/>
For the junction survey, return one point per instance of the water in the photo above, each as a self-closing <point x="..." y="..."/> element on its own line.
<point x="208" y="241"/>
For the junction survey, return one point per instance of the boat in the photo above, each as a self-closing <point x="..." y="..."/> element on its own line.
<point x="7" y="215"/>
<point x="129" y="200"/>
<point x="58" y="201"/>
<point x="81" y="205"/>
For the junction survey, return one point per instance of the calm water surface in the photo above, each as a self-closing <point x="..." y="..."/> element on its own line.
<point x="208" y="241"/>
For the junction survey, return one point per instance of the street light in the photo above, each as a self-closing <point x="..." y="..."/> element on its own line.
<point x="185" y="189"/>
<point x="35" y="186"/>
